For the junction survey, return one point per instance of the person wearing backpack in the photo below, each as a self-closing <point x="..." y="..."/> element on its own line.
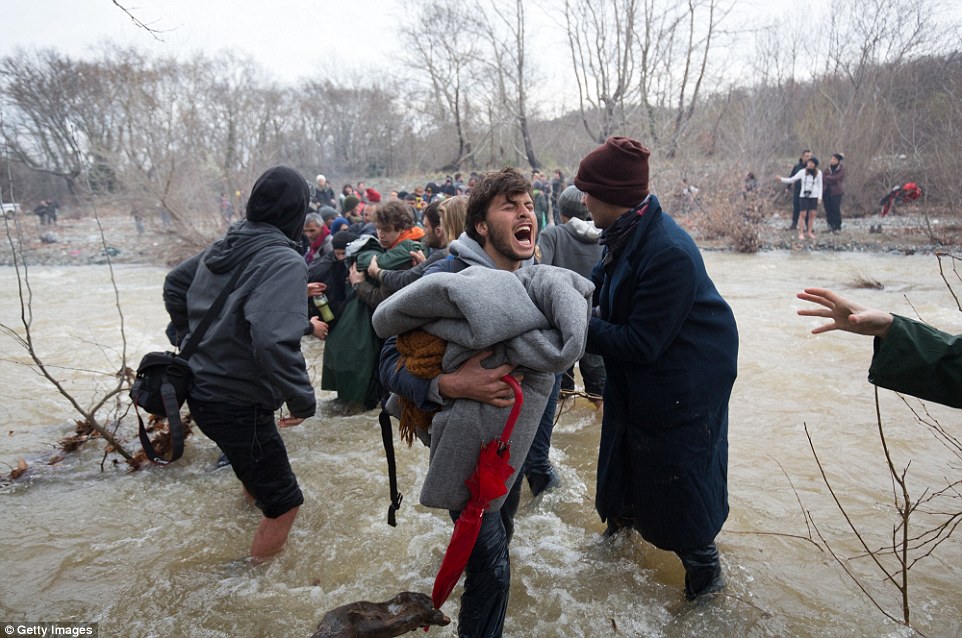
<point x="249" y="362"/>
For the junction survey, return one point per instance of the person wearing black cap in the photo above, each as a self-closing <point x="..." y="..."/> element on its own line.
<point x="832" y="179"/>
<point x="249" y="363"/>
<point x="670" y="347"/>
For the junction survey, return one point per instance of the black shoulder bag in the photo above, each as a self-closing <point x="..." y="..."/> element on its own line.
<point x="163" y="379"/>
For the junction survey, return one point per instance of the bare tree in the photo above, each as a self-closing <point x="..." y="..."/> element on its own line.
<point x="155" y="33"/>
<point x="699" y="34"/>
<point x="871" y="44"/>
<point x="365" y="132"/>
<point x="445" y="58"/>
<point x="505" y="31"/>
<point x="756" y="123"/>
<point x="601" y="37"/>
<point x="41" y="129"/>
<point x="923" y="517"/>
<point x="654" y="36"/>
<point x="924" y="521"/>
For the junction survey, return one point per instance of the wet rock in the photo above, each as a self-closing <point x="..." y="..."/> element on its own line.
<point x="405" y="612"/>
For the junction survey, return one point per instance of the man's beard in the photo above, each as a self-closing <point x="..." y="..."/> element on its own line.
<point x="434" y="242"/>
<point x="502" y="244"/>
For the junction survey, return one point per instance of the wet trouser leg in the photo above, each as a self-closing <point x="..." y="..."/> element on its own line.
<point x="796" y="209"/>
<point x="703" y="572"/>
<point x="488" y="573"/>
<point x="593" y="372"/>
<point x="537" y="467"/>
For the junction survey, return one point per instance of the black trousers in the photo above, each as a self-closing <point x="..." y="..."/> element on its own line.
<point x="488" y="572"/>
<point x="248" y="436"/>
<point x="833" y="211"/>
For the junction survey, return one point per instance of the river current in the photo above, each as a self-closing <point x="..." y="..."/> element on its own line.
<point x="157" y="552"/>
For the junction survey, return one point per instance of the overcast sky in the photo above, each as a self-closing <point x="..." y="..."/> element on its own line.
<point x="297" y="39"/>
<point x="292" y="39"/>
<point x="289" y="38"/>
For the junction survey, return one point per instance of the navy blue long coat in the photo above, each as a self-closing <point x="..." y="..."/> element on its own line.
<point x="670" y="346"/>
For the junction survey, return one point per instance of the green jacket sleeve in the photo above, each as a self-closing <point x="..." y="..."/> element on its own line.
<point x="399" y="257"/>
<point x="919" y="360"/>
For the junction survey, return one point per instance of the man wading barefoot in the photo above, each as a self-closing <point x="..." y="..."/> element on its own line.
<point x="249" y="362"/>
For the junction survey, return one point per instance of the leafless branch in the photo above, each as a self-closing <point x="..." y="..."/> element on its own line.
<point x="155" y="33"/>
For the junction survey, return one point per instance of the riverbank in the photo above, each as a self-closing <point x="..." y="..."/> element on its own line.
<point x="78" y="241"/>
<point x="906" y="233"/>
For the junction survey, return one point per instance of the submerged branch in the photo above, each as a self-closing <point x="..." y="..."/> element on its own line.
<point x="939" y="256"/>
<point x="841" y="507"/>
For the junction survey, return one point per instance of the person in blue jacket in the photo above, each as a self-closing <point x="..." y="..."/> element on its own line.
<point x="670" y="346"/>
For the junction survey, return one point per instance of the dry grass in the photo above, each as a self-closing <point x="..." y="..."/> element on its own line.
<point x="729" y="214"/>
<point x="861" y="281"/>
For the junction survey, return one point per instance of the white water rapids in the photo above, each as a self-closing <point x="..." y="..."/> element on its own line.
<point x="155" y="553"/>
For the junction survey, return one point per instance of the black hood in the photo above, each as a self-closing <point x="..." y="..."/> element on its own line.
<point x="243" y="240"/>
<point x="280" y="197"/>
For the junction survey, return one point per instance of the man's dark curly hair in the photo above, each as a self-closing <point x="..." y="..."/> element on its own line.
<point x="394" y="215"/>
<point x="509" y="182"/>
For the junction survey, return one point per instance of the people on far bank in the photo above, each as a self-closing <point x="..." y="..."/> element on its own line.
<point x="804" y="192"/>
<point x="46" y="212"/>
<point x="810" y="187"/>
<point x="796" y="187"/>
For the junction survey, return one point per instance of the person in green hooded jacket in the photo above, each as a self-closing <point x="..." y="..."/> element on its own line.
<point x="909" y="356"/>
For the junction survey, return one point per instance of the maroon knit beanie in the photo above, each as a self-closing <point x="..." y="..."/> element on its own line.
<point x="616" y="172"/>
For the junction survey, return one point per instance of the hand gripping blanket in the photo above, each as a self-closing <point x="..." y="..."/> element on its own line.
<point x="535" y="318"/>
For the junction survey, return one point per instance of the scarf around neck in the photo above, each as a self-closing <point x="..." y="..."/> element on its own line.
<point x="616" y="236"/>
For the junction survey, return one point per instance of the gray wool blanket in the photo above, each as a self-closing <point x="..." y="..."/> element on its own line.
<point x="535" y="318"/>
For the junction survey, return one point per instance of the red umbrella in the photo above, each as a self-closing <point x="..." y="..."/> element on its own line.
<point x="486" y="484"/>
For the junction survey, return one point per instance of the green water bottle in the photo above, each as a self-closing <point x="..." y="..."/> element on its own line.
<point x="320" y="302"/>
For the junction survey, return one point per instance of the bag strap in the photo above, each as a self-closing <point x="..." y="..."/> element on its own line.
<point x="174" y="423"/>
<point x="169" y="395"/>
<point x="211" y="313"/>
<point x="387" y="437"/>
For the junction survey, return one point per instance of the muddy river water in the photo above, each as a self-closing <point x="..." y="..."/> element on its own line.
<point x="156" y="552"/>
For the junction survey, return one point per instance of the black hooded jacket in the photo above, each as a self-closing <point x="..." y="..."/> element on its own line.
<point x="251" y="354"/>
